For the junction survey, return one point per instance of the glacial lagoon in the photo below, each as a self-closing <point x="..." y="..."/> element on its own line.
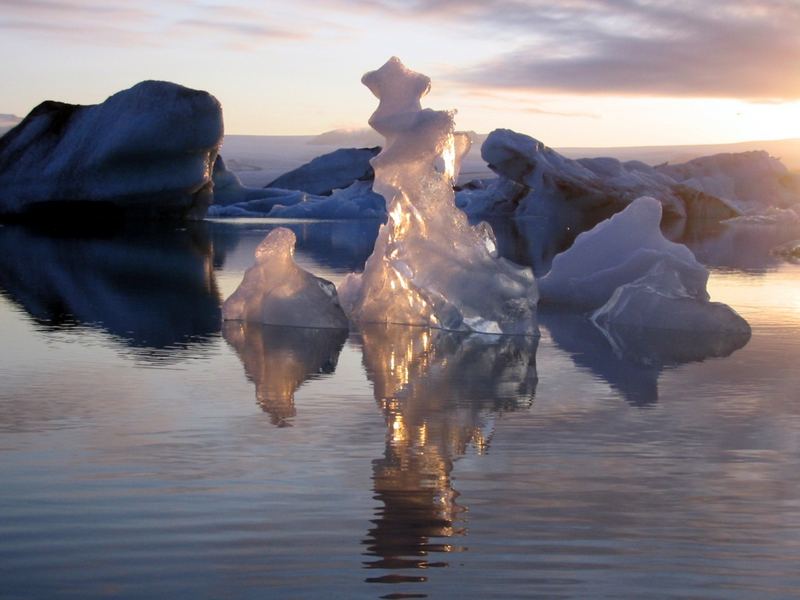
<point x="146" y="450"/>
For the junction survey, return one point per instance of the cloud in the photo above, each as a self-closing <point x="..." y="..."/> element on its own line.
<point x="80" y="33"/>
<point x="117" y="23"/>
<point x="71" y="8"/>
<point x="747" y="49"/>
<point x="111" y="23"/>
<point x="251" y="30"/>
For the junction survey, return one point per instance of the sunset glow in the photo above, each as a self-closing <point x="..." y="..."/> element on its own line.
<point x="577" y="73"/>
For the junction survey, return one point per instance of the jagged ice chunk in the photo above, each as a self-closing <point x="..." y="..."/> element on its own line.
<point x="429" y="266"/>
<point x="275" y="291"/>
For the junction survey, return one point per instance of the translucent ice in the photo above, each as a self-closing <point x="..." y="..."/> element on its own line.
<point x="618" y="251"/>
<point x="660" y="300"/>
<point x="638" y="280"/>
<point x="430" y="267"/>
<point x="275" y="291"/>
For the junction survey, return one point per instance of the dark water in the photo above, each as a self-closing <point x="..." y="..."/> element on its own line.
<point x="148" y="452"/>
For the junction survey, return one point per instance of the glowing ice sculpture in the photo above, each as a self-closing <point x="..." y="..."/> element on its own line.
<point x="429" y="266"/>
<point x="275" y="291"/>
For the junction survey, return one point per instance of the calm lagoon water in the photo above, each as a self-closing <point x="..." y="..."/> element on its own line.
<point x="148" y="452"/>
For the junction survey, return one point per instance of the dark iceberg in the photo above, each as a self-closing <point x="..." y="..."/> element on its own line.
<point x="333" y="171"/>
<point x="147" y="151"/>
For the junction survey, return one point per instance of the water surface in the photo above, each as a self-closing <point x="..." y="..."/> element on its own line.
<point x="146" y="451"/>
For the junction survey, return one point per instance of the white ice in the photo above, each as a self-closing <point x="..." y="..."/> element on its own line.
<point x="661" y="300"/>
<point x="429" y="266"/>
<point x="275" y="291"/>
<point x="617" y="251"/>
<point x="752" y="181"/>
<point x="638" y="280"/>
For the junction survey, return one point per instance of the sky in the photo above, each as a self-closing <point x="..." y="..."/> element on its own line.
<point x="568" y="72"/>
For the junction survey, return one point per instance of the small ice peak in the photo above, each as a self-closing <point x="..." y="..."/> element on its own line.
<point x="400" y="91"/>
<point x="276" y="291"/>
<point x="279" y="243"/>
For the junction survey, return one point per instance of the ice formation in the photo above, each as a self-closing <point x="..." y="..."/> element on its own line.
<point x="663" y="299"/>
<point x="332" y="171"/>
<point x="228" y="188"/>
<point x="637" y="279"/>
<point x="332" y="186"/>
<point x="147" y="150"/>
<point x="357" y="201"/>
<point x="275" y="291"/>
<point x="789" y="251"/>
<point x="429" y="266"/>
<point x="752" y="181"/>
<point x="535" y="180"/>
<point x="618" y="251"/>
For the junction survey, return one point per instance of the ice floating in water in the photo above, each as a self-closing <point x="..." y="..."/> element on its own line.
<point x="619" y="251"/>
<point x="275" y="291"/>
<point x="661" y="300"/>
<point x="429" y="266"/>
<point x="789" y="251"/>
<point x="637" y="279"/>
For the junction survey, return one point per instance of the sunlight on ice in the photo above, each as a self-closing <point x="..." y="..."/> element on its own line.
<point x="275" y="291"/>
<point x="429" y="266"/>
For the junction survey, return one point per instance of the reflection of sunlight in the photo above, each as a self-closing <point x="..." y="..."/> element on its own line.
<point x="449" y="156"/>
<point x="763" y="301"/>
<point x="437" y="391"/>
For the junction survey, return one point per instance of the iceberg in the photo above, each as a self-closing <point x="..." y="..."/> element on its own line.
<point x="288" y="198"/>
<point x="228" y="190"/>
<point x="660" y="299"/>
<point x="333" y="171"/>
<point x="356" y="201"/>
<point x="535" y="180"/>
<point x="429" y="266"/>
<point x="751" y="181"/>
<point x="635" y="279"/>
<point x="617" y="251"/>
<point x="275" y="291"/>
<point x="147" y="151"/>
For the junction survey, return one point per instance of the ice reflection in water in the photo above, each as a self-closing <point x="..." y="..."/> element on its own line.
<point x="278" y="360"/>
<point x="631" y="360"/>
<point x="164" y="482"/>
<point x="152" y="289"/>
<point x="439" y="393"/>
